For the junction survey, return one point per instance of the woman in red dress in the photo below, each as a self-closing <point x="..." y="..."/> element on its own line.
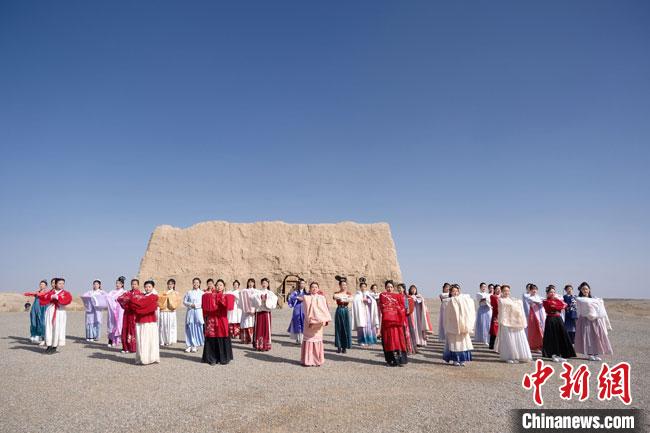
<point x="129" y="344"/>
<point x="494" y="325"/>
<point x="556" y="343"/>
<point x="393" y="315"/>
<point x="216" y="304"/>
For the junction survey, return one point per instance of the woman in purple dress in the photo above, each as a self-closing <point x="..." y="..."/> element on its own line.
<point x="297" y="324"/>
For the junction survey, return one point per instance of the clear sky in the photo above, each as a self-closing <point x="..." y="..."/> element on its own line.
<point x="503" y="141"/>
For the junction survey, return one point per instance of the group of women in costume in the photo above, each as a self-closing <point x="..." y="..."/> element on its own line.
<point x="398" y="318"/>
<point x="141" y="321"/>
<point x="553" y="326"/>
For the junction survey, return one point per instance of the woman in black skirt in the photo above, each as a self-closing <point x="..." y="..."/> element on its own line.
<point x="557" y="344"/>
<point x="216" y="304"/>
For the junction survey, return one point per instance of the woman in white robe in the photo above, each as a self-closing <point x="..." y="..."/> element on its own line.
<point x="512" y="342"/>
<point x="167" y="321"/>
<point x="247" y="324"/>
<point x="235" y="315"/>
<point x="365" y="315"/>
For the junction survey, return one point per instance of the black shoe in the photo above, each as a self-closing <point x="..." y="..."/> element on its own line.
<point x="338" y="350"/>
<point x="53" y="351"/>
<point x="48" y="350"/>
<point x="344" y="350"/>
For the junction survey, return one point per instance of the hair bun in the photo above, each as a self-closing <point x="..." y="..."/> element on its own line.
<point x="121" y="278"/>
<point x="362" y="280"/>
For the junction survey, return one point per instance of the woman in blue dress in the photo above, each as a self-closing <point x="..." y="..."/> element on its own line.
<point x="571" y="312"/>
<point x="342" y="332"/>
<point x="296" y="326"/>
<point x="37" y="316"/>
<point x="483" y="315"/>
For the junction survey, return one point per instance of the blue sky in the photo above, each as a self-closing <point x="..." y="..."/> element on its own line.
<point x="502" y="141"/>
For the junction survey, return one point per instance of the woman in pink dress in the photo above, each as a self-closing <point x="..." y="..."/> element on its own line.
<point x="317" y="316"/>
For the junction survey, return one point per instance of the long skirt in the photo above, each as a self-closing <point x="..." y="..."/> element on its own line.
<point x="129" y="342"/>
<point x="570" y="326"/>
<point x="483" y="319"/>
<point x="233" y="330"/>
<point x="513" y="344"/>
<point x="556" y="339"/>
<point x="367" y="335"/>
<point x="418" y="335"/>
<point x="410" y="347"/>
<point x="534" y="332"/>
<point x="441" y="323"/>
<point x="217" y="350"/>
<point x="393" y="343"/>
<point x="92" y="330"/>
<point x="591" y="337"/>
<point x="168" y="327"/>
<point x="115" y="318"/>
<point x="147" y="351"/>
<point x="262" y="332"/>
<point x="458" y="348"/>
<point x="342" y="334"/>
<point x="194" y="334"/>
<point x="55" y="327"/>
<point x="246" y="335"/>
<point x="463" y="356"/>
<point x="37" y="320"/>
<point x="312" y="353"/>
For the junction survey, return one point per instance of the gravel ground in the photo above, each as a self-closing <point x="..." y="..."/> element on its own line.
<point x="89" y="387"/>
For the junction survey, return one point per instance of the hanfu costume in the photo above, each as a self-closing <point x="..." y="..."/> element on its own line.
<point x="55" y="302"/>
<point x="494" y="324"/>
<point x="94" y="303"/>
<point x="297" y="324"/>
<point x="512" y="343"/>
<point x="36" y="318"/>
<point x="535" y="320"/>
<point x="419" y="322"/>
<point x="556" y="340"/>
<point x="365" y="317"/>
<point x="167" y="304"/>
<point x="409" y="306"/>
<point x="459" y="319"/>
<point x="247" y="324"/>
<point x="194" y="336"/>
<point x="393" y="341"/>
<point x="317" y="316"/>
<point x="115" y="317"/>
<point x="145" y="307"/>
<point x="591" y="329"/>
<point x="570" y="316"/>
<point x="264" y="301"/>
<point x="218" y="346"/>
<point x="483" y="318"/>
<point x="129" y="342"/>
<point x="234" y="315"/>
<point x="342" y="322"/>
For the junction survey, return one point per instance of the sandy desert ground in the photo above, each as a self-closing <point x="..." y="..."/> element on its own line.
<point x="88" y="387"/>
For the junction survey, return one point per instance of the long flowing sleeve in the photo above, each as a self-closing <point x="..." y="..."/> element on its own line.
<point x="187" y="300"/>
<point x="172" y="300"/>
<point x="293" y="299"/>
<point x="227" y="301"/>
<point x="209" y="305"/>
<point x="124" y="300"/>
<point x="144" y="304"/>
